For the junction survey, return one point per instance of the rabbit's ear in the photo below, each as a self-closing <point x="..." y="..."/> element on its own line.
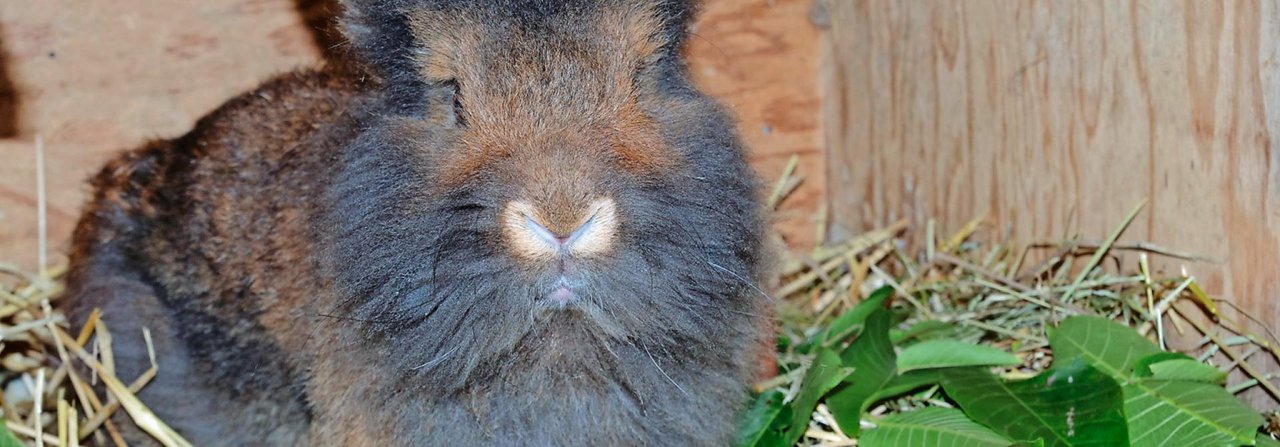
<point x="648" y="29"/>
<point x="393" y="36"/>
<point x="378" y="31"/>
<point x="676" y="16"/>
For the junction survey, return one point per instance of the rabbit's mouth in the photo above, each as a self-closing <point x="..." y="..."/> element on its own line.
<point x="564" y="293"/>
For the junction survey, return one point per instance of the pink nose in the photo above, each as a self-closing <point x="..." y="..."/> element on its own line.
<point x="554" y="239"/>
<point x="529" y="237"/>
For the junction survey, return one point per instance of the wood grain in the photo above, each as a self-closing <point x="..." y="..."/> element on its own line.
<point x="1058" y="117"/>
<point x="760" y="57"/>
<point x="93" y="78"/>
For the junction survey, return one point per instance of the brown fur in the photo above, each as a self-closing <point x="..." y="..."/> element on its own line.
<point x="589" y="85"/>
<point x="202" y="223"/>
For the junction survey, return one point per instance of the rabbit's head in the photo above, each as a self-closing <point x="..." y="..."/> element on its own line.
<point x="539" y="189"/>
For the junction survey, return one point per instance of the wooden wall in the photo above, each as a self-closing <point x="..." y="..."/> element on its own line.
<point x="1059" y="116"/>
<point x="92" y="78"/>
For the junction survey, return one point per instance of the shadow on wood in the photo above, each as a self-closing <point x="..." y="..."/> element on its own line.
<point x="9" y="99"/>
<point x="320" y="18"/>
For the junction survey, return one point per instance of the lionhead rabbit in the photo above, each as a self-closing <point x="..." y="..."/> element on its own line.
<point x="506" y="222"/>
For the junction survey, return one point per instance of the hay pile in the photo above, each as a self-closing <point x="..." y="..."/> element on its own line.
<point x="50" y="377"/>
<point x="991" y="291"/>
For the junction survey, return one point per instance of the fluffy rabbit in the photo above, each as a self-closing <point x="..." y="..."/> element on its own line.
<point x="506" y="222"/>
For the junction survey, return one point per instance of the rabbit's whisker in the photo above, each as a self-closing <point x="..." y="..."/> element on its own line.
<point x="660" y="370"/>
<point x="436" y="361"/>
<point x="740" y="278"/>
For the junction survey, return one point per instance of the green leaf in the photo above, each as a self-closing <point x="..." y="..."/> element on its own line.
<point x="1160" y="411"/>
<point x="1143" y="367"/>
<point x="924" y="330"/>
<point x="871" y="355"/>
<point x="847" y="323"/>
<point x="1109" y="346"/>
<point x="1074" y="405"/>
<point x="903" y="383"/>
<point x="1189" y="370"/>
<point x="1266" y="441"/>
<point x="1165" y="412"/>
<point x="776" y="435"/>
<point x="951" y="353"/>
<point x="823" y="374"/>
<point x="756" y="426"/>
<point x="935" y="427"/>
<point x="7" y="439"/>
<point x="782" y="342"/>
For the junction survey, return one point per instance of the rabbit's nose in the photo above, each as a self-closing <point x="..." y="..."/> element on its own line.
<point x="592" y="233"/>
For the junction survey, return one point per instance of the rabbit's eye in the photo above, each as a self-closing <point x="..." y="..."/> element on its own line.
<point x="456" y="98"/>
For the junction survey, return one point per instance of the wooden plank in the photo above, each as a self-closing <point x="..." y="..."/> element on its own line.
<point x="760" y="57"/>
<point x="93" y="78"/>
<point x="1058" y="117"/>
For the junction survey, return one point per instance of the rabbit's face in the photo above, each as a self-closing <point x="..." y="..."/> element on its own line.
<point x="555" y="197"/>
<point x="548" y="133"/>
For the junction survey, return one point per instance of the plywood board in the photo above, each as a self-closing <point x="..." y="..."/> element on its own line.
<point x="760" y="57"/>
<point x="93" y="78"/>
<point x="1058" y="117"/>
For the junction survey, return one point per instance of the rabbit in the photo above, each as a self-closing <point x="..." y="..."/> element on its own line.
<point x="497" y="222"/>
